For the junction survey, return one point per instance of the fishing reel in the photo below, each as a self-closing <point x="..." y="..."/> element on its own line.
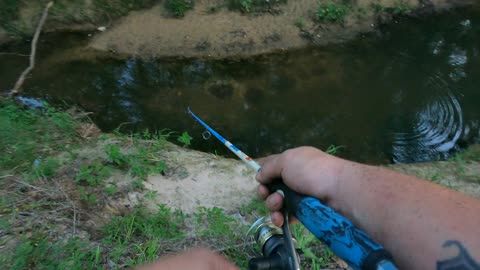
<point x="278" y="247"/>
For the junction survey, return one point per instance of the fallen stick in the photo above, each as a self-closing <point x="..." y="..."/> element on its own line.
<point x="33" y="52"/>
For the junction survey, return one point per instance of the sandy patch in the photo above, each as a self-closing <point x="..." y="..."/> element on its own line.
<point x="223" y="33"/>
<point x="197" y="179"/>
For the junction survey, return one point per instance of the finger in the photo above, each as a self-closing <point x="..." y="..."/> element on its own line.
<point x="293" y="220"/>
<point x="274" y="202"/>
<point x="271" y="169"/>
<point x="262" y="192"/>
<point x="277" y="218"/>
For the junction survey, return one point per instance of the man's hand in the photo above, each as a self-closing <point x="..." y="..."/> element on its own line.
<point x="306" y="170"/>
<point x="195" y="259"/>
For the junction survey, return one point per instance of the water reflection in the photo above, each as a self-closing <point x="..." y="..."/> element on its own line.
<point x="410" y="94"/>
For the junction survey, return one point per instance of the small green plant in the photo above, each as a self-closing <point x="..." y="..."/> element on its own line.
<point x="141" y="225"/>
<point x="88" y="197"/>
<point x="331" y="12"/>
<point x="41" y="252"/>
<point x="248" y="6"/>
<point x="47" y="168"/>
<point x="93" y="174"/>
<point x="332" y="149"/>
<point x="460" y="164"/>
<point x="212" y="222"/>
<point x="178" y="7"/>
<point x="400" y="8"/>
<point x="317" y="255"/>
<point x="152" y="194"/>
<point x="27" y="135"/>
<point x="111" y="190"/>
<point x="300" y="22"/>
<point x="115" y="155"/>
<point x="185" y="138"/>
<point x="9" y="10"/>
<point x="256" y="207"/>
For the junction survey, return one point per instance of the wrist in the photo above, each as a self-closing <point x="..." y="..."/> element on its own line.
<point x="342" y="172"/>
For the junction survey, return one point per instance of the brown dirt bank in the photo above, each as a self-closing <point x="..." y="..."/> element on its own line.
<point x="224" y="33"/>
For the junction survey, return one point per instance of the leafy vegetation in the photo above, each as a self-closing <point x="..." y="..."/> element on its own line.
<point x="248" y="6"/>
<point x="8" y="10"/>
<point x="39" y="252"/>
<point x="332" y="149"/>
<point x="399" y="7"/>
<point x="317" y="255"/>
<point x="331" y="12"/>
<point x="29" y="137"/>
<point x="185" y="138"/>
<point x="93" y="174"/>
<point x="178" y="8"/>
<point x="300" y="22"/>
<point x="164" y="224"/>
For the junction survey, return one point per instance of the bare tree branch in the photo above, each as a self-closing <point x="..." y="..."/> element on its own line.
<point x="33" y="51"/>
<point x="16" y="54"/>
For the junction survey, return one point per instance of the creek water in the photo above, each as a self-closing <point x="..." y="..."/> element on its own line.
<point x="407" y="93"/>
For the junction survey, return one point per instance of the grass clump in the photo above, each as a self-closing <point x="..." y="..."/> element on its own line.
<point x="317" y="255"/>
<point x="38" y="252"/>
<point x="248" y="6"/>
<point x="118" y="8"/>
<point x="93" y="174"/>
<point x="8" y="10"/>
<point x="142" y="225"/>
<point x="398" y="8"/>
<point x="331" y="12"/>
<point x="30" y="137"/>
<point x="178" y="8"/>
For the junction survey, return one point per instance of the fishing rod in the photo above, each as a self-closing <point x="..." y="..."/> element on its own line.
<point x="351" y="244"/>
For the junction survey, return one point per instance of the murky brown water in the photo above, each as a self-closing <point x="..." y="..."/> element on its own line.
<point x="408" y="93"/>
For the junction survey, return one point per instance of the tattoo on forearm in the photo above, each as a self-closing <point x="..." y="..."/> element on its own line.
<point x="463" y="261"/>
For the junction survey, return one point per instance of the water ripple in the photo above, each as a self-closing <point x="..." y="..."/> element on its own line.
<point x="436" y="128"/>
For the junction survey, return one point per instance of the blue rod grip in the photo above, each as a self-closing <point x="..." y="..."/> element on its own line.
<point x="345" y="240"/>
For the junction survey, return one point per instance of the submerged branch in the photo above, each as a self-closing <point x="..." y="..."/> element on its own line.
<point x="33" y="51"/>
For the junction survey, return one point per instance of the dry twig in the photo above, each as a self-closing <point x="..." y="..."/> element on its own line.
<point x="33" y="51"/>
<point x="16" y="54"/>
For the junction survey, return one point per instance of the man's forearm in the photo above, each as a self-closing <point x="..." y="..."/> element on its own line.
<point x="421" y="223"/>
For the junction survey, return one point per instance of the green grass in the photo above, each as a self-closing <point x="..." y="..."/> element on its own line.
<point x="399" y="7"/>
<point x="142" y="160"/>
<point x="185" y="139"/>
<point x="8" y="10"/>
<point x="331" y="12"/>
<point x="300" y="22"/>
<point x="213" y="223"/>
<point x="317" y="256"/>
<point x="332" y="149"/>
<point x="93" y="174"/>
<point x="178" y="8"/>
<point x="248" y="6"/>
<point x="31" y="138"/>
<point x="117" y="8"/>
<point x="39" y="252"/>
<point x="141" y="225"/>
